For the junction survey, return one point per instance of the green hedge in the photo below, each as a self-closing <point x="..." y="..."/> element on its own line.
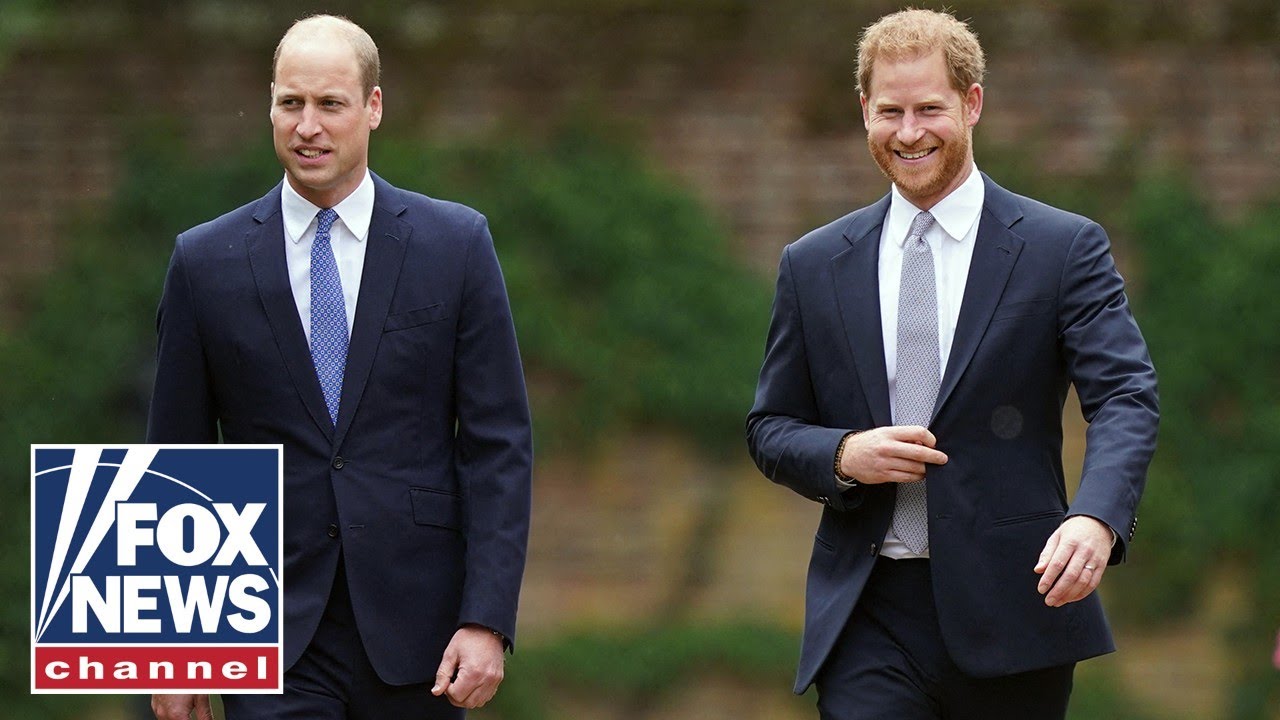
<point x="629" y="308"/>
<point x="1211" y="314"/>
<point x="641" y="667"/>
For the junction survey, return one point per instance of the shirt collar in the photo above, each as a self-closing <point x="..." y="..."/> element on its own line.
<point x="355" y="210"/>
<point x="955" y="214"/>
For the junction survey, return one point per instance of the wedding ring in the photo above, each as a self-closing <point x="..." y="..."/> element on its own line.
<point x="1088" y="567"/>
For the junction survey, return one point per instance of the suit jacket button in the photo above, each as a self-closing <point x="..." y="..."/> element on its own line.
<point x="338" y="463"/>
<point x="874" y="548"/>
<point x="333" y="530"/>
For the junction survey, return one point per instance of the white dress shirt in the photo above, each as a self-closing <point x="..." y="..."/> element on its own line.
<point x="951" y="240"/>
<point x="347" y="236"/>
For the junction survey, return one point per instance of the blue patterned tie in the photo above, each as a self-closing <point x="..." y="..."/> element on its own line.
<point x="918" y="373"/>
<point x="328" y="315"/>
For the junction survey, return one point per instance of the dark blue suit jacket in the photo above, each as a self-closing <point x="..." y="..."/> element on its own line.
<point x="424" y="484"/>
<point x="1043" y="309"/>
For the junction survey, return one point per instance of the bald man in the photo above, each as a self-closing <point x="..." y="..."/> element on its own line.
<point x="367" y="330"/>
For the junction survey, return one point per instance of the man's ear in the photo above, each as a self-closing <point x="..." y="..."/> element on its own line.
<point x="375" y="107"/>
<point x="973" y="104"/>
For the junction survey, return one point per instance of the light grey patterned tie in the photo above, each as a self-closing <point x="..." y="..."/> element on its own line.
<point x="918" y="375"/>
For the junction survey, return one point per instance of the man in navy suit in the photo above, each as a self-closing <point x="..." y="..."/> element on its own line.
<point x="917" y="362"/>
<point x="367" y="329"/>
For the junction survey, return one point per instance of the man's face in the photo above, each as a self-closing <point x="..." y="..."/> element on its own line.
<point x="320" y="118"/>
<point x="919" y="128"/>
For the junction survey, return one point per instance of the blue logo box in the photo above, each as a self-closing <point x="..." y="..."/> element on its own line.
<point x="156" y="568"/>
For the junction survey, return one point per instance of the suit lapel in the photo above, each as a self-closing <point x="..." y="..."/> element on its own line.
<point x="265" y="243"/>
<point x="856" y="274"/>
<point x="382" y="261"/>
<point x="995" y="252"/>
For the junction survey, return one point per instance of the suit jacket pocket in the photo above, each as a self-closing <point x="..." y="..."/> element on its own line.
<point x="436" y="507"/>
<point x="1023" y="308"/>
<point x="414" y="318"/>
<point x="1027" y="517"/>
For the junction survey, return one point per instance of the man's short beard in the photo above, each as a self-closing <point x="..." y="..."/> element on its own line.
<point x="955" y="155"/>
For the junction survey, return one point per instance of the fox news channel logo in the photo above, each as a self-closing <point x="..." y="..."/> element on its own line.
<point x="156" y="568"/>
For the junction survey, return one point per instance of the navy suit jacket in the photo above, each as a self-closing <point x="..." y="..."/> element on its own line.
<point x="424" y="485"/>
<point x="1043" y="309"/>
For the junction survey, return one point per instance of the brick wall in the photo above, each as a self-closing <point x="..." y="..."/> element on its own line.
<point x="753" y="108"/>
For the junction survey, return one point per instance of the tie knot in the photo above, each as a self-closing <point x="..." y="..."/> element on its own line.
<point x="921" y="224"/>
<point x="325" y="219"/>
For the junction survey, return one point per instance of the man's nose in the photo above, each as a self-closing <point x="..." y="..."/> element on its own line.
<point x="910" y="131"/>
<point x="309" y="124"/>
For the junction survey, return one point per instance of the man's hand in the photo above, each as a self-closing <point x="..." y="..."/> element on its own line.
<point x="471" y="669"/>
<point x="1074" y="559"/>
<point x="179" y="707"/>
<point x="896" y="453"/>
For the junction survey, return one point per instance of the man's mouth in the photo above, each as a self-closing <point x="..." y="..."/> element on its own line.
<point x="311" y="153"/>
<point x="913" y="155"/>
